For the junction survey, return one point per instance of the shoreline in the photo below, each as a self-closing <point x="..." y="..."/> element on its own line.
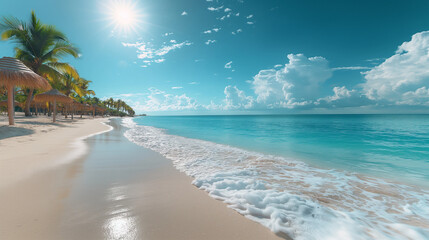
<point x="68" y="198"/>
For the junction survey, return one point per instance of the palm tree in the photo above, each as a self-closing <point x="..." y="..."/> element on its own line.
<point x="40" y="47"/>
<point x="73" y="87"/>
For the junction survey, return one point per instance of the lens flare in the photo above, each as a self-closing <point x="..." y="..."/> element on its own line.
<point x="124" y="16"/>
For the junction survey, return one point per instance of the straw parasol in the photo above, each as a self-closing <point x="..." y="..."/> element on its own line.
<point x="75" y="106"/>
<point x="53" y="95"/>
<point x="14" y="73"/>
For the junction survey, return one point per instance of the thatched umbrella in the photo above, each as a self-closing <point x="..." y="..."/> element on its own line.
<point x="53" y="95"/>
<point x="75" y="106"/>
<point x="14" y="73"/>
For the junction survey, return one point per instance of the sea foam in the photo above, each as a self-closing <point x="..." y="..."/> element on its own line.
<point x="290" y="197"/>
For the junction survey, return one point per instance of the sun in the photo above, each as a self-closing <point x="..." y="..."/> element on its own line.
<point x="124" y="16"/>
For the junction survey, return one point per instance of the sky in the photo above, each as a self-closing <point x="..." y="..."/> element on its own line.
<point x="168" y="57"/>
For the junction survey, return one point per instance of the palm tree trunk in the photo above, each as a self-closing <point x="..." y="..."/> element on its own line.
<point x="28" y="103"/>
<point x="10" y="107"/>
<point x="55" y="110"/>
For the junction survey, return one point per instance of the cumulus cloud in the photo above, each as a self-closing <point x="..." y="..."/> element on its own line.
<point x="176" y="87"/>
<point x="417" y="97"/>
<point x="184" y="13"/>
<point x="297" y="83"/>
<point x="403" y="77"/>
<point x="343" y="98"/>
<point x="157" y="100"/>
<point x="236" y="99"/>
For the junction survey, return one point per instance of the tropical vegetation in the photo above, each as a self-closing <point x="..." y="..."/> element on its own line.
<point x="43" y="48"/>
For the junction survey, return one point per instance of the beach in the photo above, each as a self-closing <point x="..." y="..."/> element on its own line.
<point x="60" y="181"/>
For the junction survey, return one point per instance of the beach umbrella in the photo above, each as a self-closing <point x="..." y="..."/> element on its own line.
<point x="55" y="96"/>
<point x="75" y="106"/>
<point x="14" y="73"/>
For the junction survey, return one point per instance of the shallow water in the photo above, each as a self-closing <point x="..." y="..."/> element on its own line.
<point x="291" y="185"/>
<point x="389" y="146"/>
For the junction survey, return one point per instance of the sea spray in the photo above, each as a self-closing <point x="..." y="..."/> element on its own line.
<point x="290" y="197"/>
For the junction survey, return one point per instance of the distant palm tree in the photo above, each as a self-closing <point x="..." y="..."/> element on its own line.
<point x="40" y="47"/>
<point x="72" y="87"/>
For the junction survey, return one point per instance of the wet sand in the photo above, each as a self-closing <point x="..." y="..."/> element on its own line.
<point x="117" y="190"/>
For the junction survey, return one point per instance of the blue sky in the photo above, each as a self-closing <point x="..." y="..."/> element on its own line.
<point x="248" y="56"/>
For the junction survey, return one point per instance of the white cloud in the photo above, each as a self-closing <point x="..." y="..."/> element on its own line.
<point x="184" y="13"/>
<point x="178" y="87"/>
<point x="237" y="31"/>
<point x="228" y="64"/>
<point x="343" y="98"/>
<point x="208" y="42"/>
<point x="403" y="77"/>
<point x="173" y="41"/>
<point x="236" y="99"/>
<point x="417" y="97"/>
<point x="250" y="23"/>
<point x="250" y="16"/>
<point x="166" y="49"/>
<point x="193" y="83"/>
<point x="167" y="34"/>
<point x="149" y="54"/>
<point x="213" y="9"/>
<point x="212" y="30"/>
<point x="157" y="100"/>
<point x="227" y="10"/>
<point x="278" y="66"/>
<point x="297" y="83"/>
<point x="237" y="14"/>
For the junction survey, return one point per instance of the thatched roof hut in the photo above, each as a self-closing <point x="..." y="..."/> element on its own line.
<point x="14" y="73"/>
<point x="53" y="95"/>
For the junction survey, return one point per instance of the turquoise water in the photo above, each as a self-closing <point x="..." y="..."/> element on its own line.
<point x="394" y="147"/>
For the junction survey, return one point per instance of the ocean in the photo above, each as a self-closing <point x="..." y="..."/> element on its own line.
<point x="305" y="176"/>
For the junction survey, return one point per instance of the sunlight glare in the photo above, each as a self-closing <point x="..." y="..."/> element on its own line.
<point x="124" y="16"/>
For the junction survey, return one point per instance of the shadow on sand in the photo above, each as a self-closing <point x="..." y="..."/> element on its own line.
<point x="8" y="132"/>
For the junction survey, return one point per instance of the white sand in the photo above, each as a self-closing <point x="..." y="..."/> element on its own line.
<point x="35" y="143"/>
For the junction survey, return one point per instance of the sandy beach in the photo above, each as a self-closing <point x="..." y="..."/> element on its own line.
<point x="57" y="184"/>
